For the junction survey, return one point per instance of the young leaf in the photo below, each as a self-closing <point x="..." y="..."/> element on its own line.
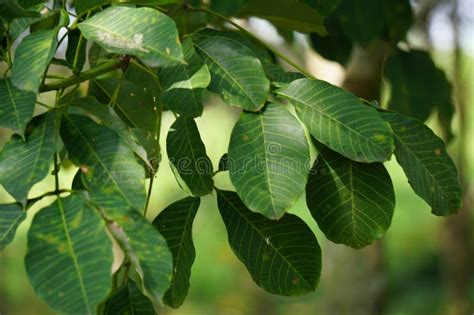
<point x="188" y="158"/>
<point x="69" y="256"/>
<point x="295" y="15"/>
<point x="144" y="246"/>
<point x="107" y="163"/>
<point x="269" y="160"/>
<point x="129" y="300"/>
<point x="283" y="257"/>
<point x="16" y="107"/>
<point x="183" y="84"/>
<point x="143" y="32"/>
<point x="31" y="59"/>
<point x="236" y="74"/>
<point x="352" y="202"/>
<point x="175" y="224"/>
<point x="11" y="215"/>
<point x="429" y="169"/>
<point x="23" y="164"/>
<point x="340" y="120"/>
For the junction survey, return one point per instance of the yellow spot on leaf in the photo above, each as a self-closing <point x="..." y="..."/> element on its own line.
<point x="379" y="138"/>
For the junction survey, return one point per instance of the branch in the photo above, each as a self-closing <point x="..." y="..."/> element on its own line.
<point x="85" y="76"/>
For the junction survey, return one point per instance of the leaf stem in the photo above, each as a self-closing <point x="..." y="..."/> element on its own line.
<point x="249" y="34"/>
<point x="148" y="195"/>
<point x="30" y="202"/>
<point x="83" y="76"/>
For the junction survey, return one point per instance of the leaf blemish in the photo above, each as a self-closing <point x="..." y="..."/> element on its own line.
<point x="110" y="39"/>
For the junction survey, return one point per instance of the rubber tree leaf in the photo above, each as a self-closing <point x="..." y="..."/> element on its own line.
<point x="144" y="246"/>
<point x="32" y="56"/>
<point x="324" y="7"/>
<point x="237" y="75"/>
<point x="11" y="9"/>
<point x="105" y="115"/>
<point x="188" y="158"/>
<point x="107" y="163"/>
<point x="361" y="20"/>
<point x="16" y="107"/>
<point x="137" y="105"/>
<point x="183" y="85"/>
<point x="296" y="15"/>
<point x="429" y="169"/>
<point x="418" y="87"/>
<point x="25" y="163"/>
<point x="398" y="16"/>
<point x="352" y="202"/>
<point x="335" y="46"/>
<point x="11" y="215"/>
<point x="341" y="121"/>
<point x="269" y="160"/>
<point x="129" y="300"/>
<point x="145" y="33"/>
<point x="82" y="6"/>
<point x="74" y="49"/>
<point x="175" y="224"/>
<point x="283" y="257"/>
<point x="69" y="257"/>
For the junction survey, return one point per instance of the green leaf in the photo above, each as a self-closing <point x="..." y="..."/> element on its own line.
<point x="324" y="7"/>
<point x="183" y="84"/>
<point x="335" y="46"/>
<point x="32" y="57"/>
<point x="352" y="202"/>
<point x="236" y="74"/>
<point x="16" y="107"/>
<point x="129" y="300"/>
<point x="105" y="115"/>
<point x="361" y="20"/>
<point x="417" y="85"/>
<point x="340" y="120"/>
<point x="11" y="215"/>
<point x="73" y="49"/>
<point x="83" y="6"/>
<point x="137" y="105"/>
<point x="283" y="257"/>
<point x="277" y="75"/>
<point x="175" y="224"/>
<point x="429" y="169"/>
<point x="296" y="15"/>
<point x="188" y="158"/>
<point x="144" y="246"/>
<point x="24" y="163"/>
<point x="144" y="32"/>
<point x="69" y="257"/>
<point x="269" y="160"/>
<point x="107" y="163"/>
<point x="10" y="9"/>
<point x="398" y="16"/>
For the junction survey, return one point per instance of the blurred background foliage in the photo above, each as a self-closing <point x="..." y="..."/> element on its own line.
<point x="417" y="254"/>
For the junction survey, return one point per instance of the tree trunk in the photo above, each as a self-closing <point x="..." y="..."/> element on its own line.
<point x="456" y="239"/>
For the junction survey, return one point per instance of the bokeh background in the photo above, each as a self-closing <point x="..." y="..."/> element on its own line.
<point x="413" y="260"/>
